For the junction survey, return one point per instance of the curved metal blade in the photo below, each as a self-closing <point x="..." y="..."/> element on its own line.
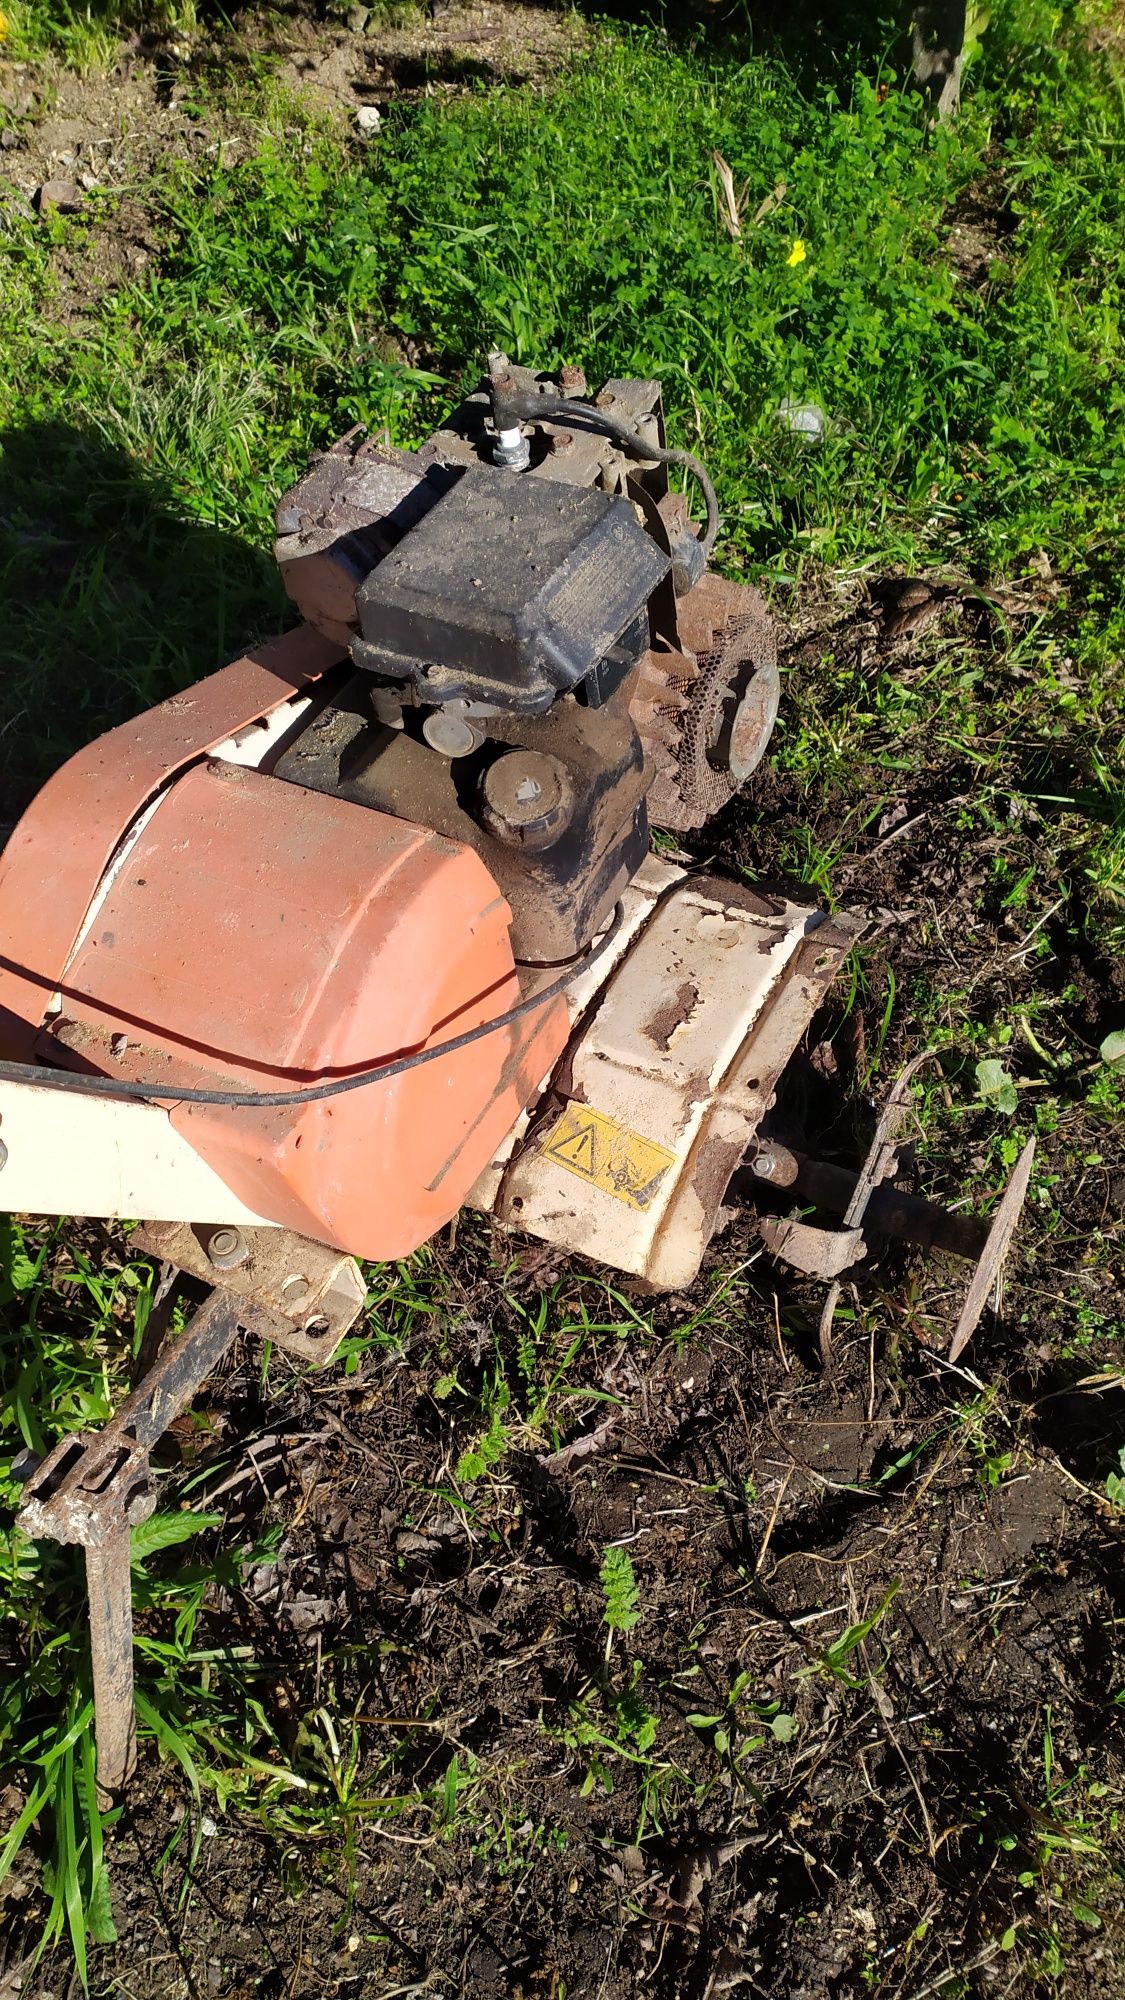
<point x="994" y="1252"/>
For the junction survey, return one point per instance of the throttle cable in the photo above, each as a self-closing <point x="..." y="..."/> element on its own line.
<point x="79" y="1084"/>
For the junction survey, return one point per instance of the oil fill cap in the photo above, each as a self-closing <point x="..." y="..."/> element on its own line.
<point x="526" y="798"/>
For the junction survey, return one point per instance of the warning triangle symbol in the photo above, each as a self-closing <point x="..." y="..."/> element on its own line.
<point x="577" y="1150"/>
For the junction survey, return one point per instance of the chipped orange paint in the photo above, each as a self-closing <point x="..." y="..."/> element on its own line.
<point x="262" y="936"/>
<point x="62" y="846"/>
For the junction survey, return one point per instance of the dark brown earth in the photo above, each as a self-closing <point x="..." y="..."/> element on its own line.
<point x="875" y="1844"/>
<point x="763" y="1512"/>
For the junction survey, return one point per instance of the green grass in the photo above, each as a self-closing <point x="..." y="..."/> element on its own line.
<point x="977" y="426"/>
<point x="88" y="37"/>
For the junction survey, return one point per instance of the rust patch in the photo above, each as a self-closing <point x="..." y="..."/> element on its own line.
<point x="712" y="1168"/>
<point x="672" y="1014"/>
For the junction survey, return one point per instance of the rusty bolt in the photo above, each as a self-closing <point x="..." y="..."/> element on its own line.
<point x="227" y="1248"/>
<point x="775" y="1163"/>
<point x="572" y="381"/>
<point x="500" y="371"/>
<point x="560" y="442"/>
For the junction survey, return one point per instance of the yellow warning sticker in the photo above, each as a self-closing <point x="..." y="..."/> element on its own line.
<point x="608" y="1155"/>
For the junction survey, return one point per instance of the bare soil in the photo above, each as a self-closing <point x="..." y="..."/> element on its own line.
<point x="761" y="1509"/>
<point x="92" y="141"/>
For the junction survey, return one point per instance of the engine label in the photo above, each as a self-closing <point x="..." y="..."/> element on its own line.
<point x="607" y="1155"/>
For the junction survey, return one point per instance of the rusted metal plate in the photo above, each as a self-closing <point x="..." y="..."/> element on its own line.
<point x="314" y="1293"/>
<point x="109" y="1589"/>
<point x="995" y="1250"/>
<point x="819" y="1253"/>
<point x="665" y="1084"/>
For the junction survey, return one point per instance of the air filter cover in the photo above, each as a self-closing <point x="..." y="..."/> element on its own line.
<point x="509" y="591"/>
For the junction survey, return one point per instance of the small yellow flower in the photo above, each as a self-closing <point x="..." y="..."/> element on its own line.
<point x="798" y="253"/>
<point x="3" y="26"/>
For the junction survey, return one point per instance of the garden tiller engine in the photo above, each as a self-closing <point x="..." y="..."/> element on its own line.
<point x="368" y="926"/>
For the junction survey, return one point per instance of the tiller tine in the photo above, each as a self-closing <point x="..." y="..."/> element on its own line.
<point x="865" y="1199"/>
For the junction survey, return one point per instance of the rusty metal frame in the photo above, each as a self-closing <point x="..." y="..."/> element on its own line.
<point x="92" y="1489"/>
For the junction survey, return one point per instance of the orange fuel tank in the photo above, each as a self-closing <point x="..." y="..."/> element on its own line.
<point x="261" y="936"/>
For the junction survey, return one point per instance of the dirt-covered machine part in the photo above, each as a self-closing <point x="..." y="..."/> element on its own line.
<point x="632" y="622"/>
<point x="367" y="927"/>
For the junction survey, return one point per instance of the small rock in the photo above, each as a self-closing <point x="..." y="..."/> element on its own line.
<point x="358" y="19"/>
<point x="805" y="420"/>
<point x="9" y="137"/>
<point x="57" y="195"/>
<point x="369" y="120"/>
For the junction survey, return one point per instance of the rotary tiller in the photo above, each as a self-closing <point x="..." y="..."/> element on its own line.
<point x="368" y="926"/>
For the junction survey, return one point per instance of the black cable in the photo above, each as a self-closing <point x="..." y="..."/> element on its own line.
<point x="274" y="1100"/>
<point x="509" y="410"/>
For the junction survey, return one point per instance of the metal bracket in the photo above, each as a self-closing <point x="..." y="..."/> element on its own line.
<point x="314" y="1293"/>
<point x="819" y="1253"/>
<point x="92" y="1489"/>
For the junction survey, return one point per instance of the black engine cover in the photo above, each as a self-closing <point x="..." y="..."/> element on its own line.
<point x="509" y="592"/>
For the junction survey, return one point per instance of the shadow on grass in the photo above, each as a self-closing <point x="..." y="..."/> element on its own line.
<point x="819" y="40"/>
<point x="109" y="598"/>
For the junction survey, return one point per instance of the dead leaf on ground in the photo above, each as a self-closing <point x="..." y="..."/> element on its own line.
<point x="731" y="205"/>
<point x="773" y="200"/>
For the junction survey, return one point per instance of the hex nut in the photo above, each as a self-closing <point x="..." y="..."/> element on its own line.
<point x="227" y="1248"/>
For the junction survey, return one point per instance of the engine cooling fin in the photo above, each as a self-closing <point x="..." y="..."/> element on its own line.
<point x="705" y="715"/>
